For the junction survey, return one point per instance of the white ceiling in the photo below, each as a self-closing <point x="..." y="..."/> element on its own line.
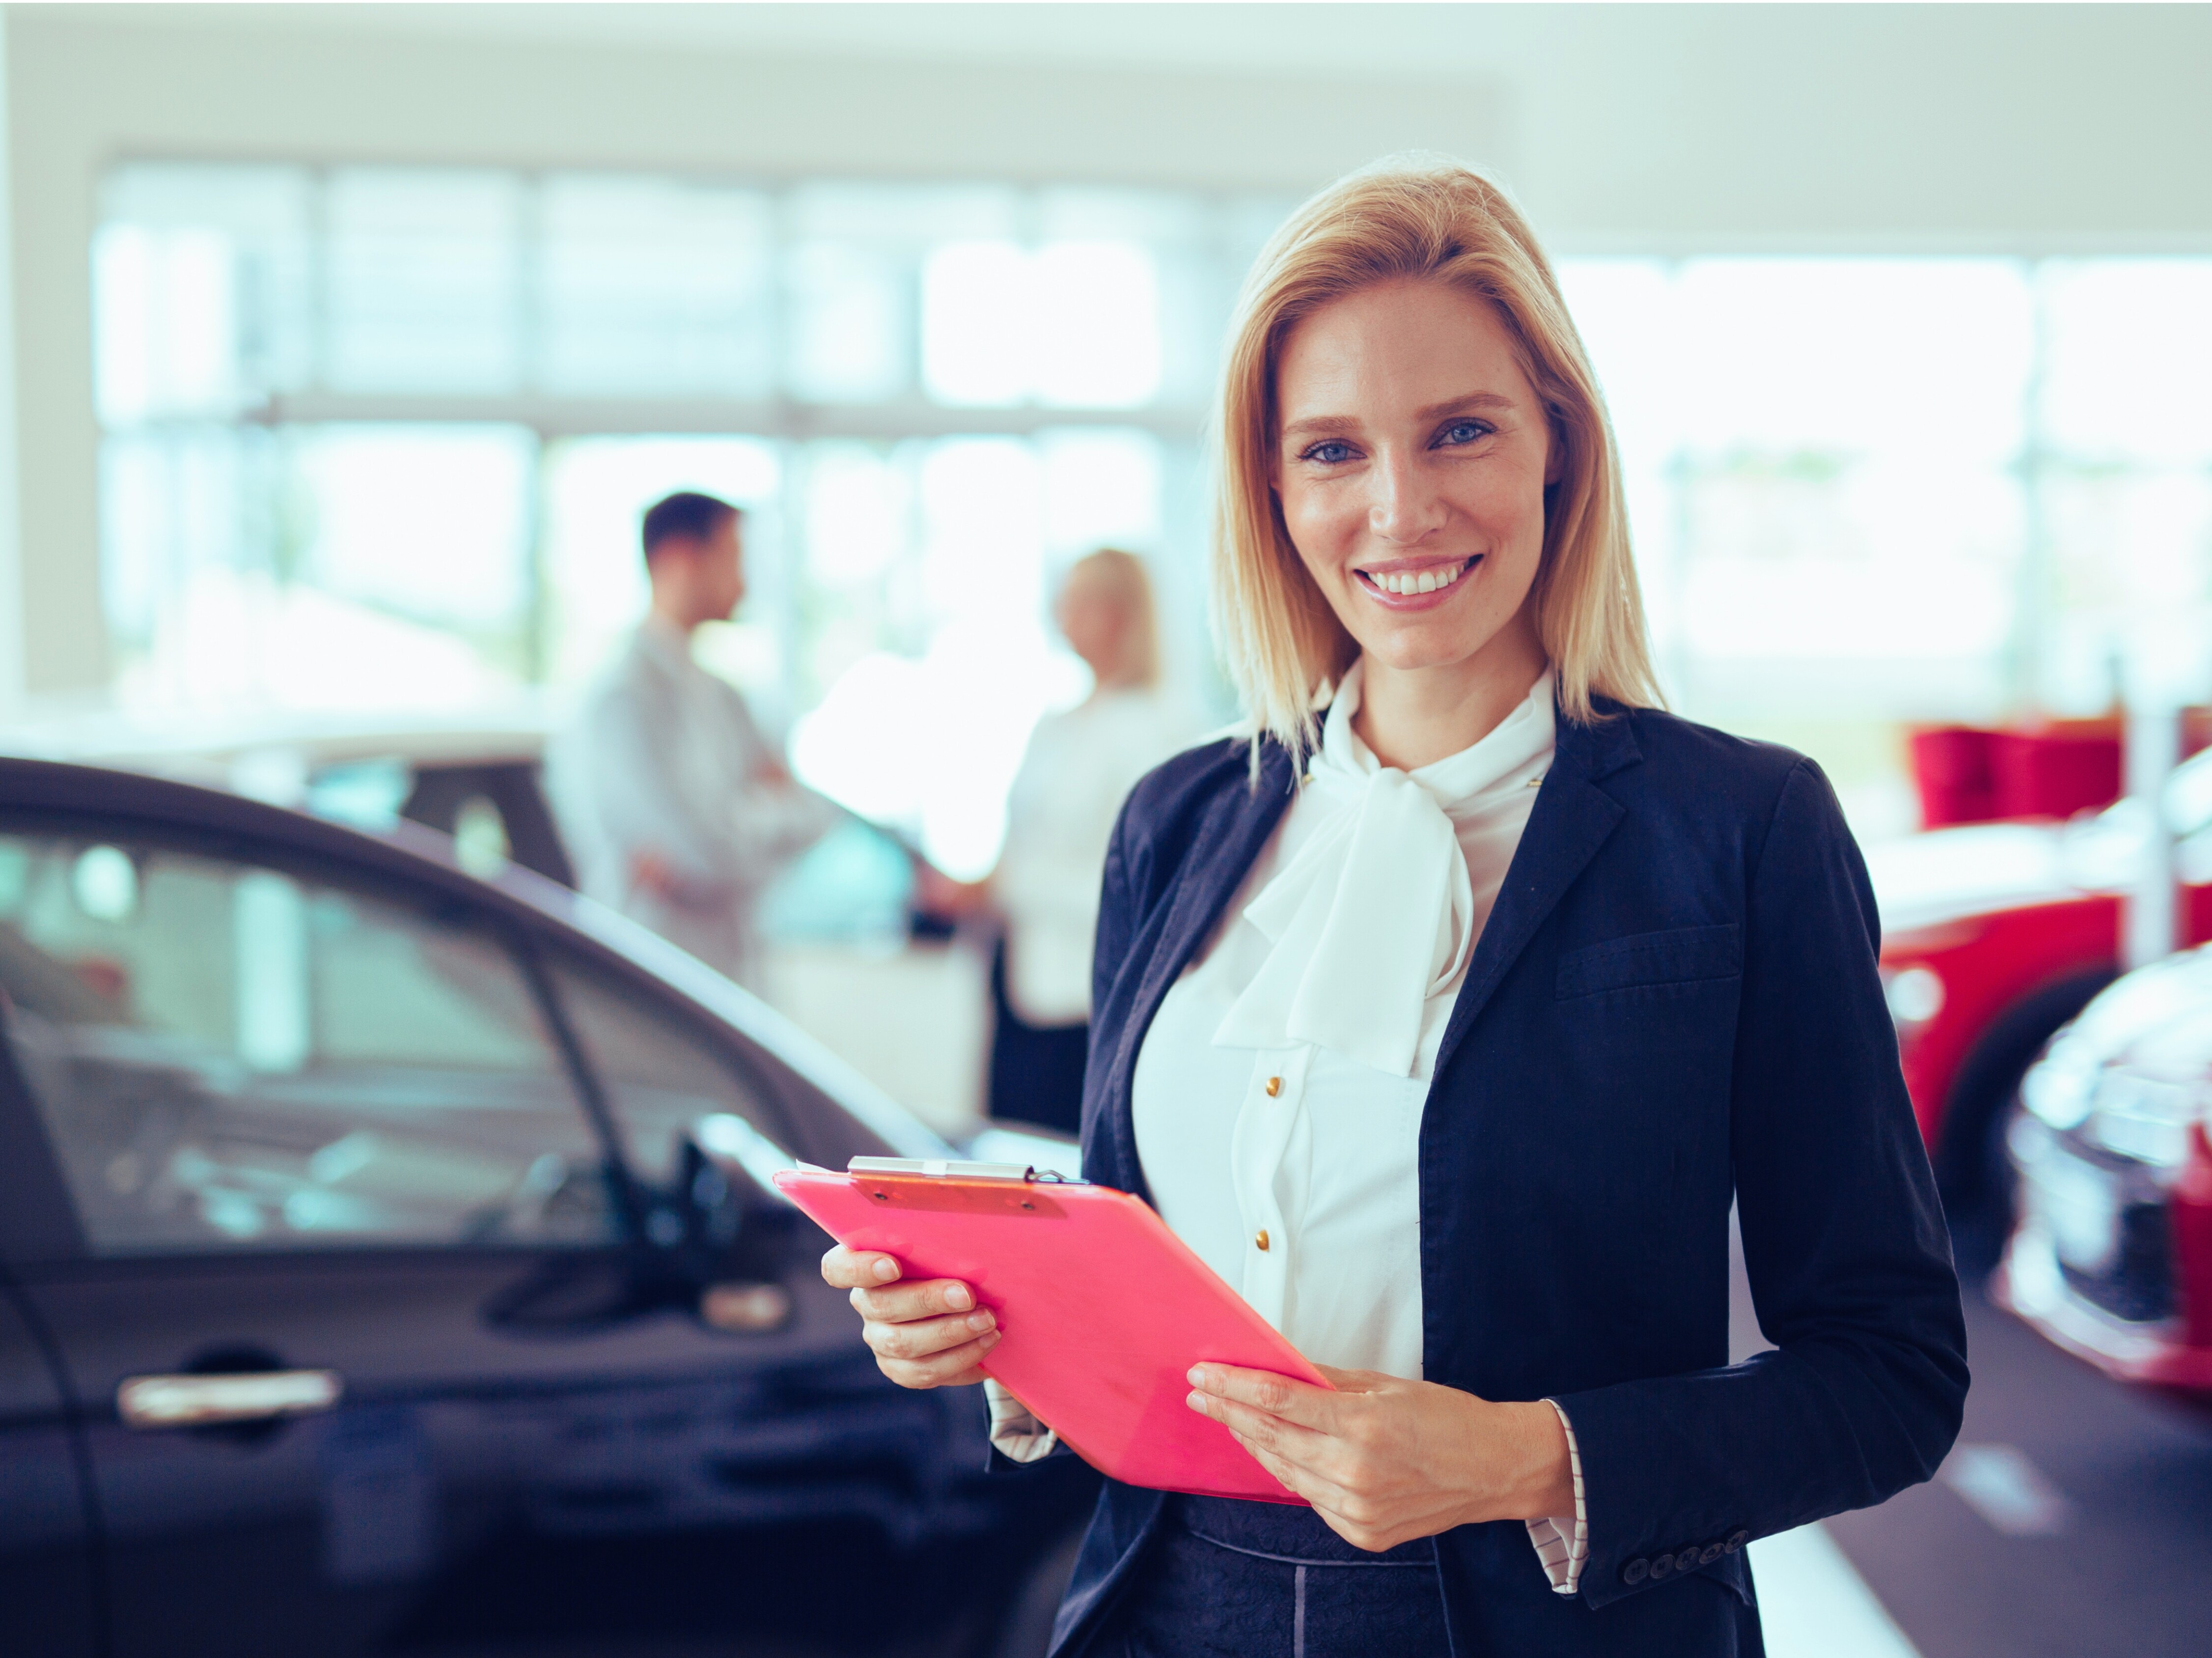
<point x="1396" y="40"/>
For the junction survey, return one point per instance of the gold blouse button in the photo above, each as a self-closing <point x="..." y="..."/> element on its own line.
<point x="1261" y="1238"/>
<point x="1275" y="1085"/>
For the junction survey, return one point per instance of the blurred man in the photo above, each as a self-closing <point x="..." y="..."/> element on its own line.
<point x="679" y="811"/>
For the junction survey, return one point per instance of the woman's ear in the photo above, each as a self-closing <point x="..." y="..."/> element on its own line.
<point x="1555" y="453"/>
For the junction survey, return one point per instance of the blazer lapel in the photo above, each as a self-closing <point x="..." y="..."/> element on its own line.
<point x="1569" y="822"/>
<point x="1220" y="856"/>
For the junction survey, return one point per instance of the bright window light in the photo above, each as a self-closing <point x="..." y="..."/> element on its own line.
<point x="1102" y="488"/>
<point x="1097" y="325"/>
<point x="652" y="284"/>
<point x="165" y="324"/>
<point x="1854" y="356"/>
<point x="850" y="336"/>
<point x="2130" y="358"/>
<point x="859" y="514"/>
<point x="425" y="280"/>
<point x="426" y="521"/>
<point x="981" y="532"/>
<point x="978" y="323"/>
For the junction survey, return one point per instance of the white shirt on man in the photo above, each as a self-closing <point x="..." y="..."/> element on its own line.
<point x="663" y="761"/>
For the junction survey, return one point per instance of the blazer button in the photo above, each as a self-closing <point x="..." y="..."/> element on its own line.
<point x="1635" y="1571"/>
<point x="1737" y="1540"/>
<point x="1274" y="1087"/>
<point x="1710" y="1553"/>
<point x="1662" y="1565"/>
<point x="1260" y="1239"/>
<point x="1687" y="1560"/>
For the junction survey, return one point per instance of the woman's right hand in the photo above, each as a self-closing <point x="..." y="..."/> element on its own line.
<point x="927" y="1333"/>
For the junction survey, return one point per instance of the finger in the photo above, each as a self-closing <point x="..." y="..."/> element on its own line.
<point x="1269" y="1432"/>
<point x="919" y="1338"/>
<point x="954" y="1367"/>
<point x="1286" y="1473"/>
<point x="1263" y="1390"/>
<point x="922" y="1298"/>
<point x="852" y="1269"/>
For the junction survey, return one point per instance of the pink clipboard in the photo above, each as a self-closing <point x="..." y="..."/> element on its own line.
<point x="1103" y="1309"/>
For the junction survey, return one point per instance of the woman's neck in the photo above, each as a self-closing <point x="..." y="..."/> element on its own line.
<point x="1412" y="717"/>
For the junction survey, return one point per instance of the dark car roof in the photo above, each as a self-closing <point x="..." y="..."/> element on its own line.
<point x="93" y="799"/>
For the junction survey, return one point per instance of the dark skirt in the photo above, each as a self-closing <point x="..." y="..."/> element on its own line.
<point x="1226" y="1579"/>
<point x="1036" y="1070"/>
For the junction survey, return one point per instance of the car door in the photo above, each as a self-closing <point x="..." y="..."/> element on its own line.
<point x="747" y="1448"/>
<point x="321" y="1145"/>
<point x="46" y="1600"/>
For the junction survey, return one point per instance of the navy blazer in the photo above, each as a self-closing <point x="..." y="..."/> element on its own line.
<point x="1674" y="1005"/>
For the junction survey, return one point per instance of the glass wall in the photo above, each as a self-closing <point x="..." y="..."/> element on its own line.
<point x="381" y="436"/>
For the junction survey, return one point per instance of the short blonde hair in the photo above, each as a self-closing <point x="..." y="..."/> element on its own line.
<point x="1425" y="219"/>
<point x="1122" y="578"/>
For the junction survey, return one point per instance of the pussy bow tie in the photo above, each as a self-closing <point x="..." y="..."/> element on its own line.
<point x="1375" y="914"/>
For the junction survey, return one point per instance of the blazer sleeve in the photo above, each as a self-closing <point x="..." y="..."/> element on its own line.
<point x="1849" y="1260"/>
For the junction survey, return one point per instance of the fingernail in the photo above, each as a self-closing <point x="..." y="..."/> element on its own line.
<point x="886" y="1270"/>
<point x="1197" y="1376"/>
<point x="979" y="1320"/>
<point x="1197" y="1402"/>
<point x="991" y="1340"/>
<point x="958" y="1299"/>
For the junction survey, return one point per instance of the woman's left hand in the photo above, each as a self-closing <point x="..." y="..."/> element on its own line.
<point x="1384" y="1460"/>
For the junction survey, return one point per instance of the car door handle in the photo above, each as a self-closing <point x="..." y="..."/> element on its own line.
<point x="192" y="1401"/>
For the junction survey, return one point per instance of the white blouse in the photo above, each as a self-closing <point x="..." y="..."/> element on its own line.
<point x="1279" y="1092"/>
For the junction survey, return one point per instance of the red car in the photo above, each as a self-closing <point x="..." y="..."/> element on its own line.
<point x="1996" y="934"/>
<point x="2113" y="1256"/>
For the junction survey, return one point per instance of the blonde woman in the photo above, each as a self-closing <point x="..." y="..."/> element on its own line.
<point x="1446" y="1015"/>
<point x="1079" y="767"/>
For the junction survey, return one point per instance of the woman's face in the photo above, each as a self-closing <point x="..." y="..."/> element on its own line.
<point x="1411" y="467"/>
<point x="1092" y="621"/>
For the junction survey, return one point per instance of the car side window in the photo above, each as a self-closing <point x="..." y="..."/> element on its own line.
<point x="662" y="1073"/>
<point x="226" y="1056"/>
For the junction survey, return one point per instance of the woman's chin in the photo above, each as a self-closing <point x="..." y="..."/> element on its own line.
<point x="1413" y="648"/>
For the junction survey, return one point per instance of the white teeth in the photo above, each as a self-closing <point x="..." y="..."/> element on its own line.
<point x="1407" y="583"/>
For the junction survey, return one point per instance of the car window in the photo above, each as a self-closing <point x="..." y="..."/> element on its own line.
<point x="662" y="1072"/>
<point x="229" y="1058"/>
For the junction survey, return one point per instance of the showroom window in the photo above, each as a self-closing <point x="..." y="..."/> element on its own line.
<point x="381" y="436"/>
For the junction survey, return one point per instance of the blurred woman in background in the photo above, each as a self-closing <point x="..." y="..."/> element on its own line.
<point x="1079" y="767"/>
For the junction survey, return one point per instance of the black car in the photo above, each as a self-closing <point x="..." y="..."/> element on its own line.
<point x="387" y="1263"/>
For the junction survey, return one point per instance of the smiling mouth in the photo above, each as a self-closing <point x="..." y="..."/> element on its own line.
<point x="1411" y="583"/>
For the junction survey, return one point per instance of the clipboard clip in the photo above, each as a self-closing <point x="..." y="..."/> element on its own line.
<point x="947" y="1168"/>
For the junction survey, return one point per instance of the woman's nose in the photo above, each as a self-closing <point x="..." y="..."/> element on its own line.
<point x="1406" y="506"/>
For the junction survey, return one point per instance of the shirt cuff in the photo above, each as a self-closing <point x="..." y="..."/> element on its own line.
<point x="1017" y="1435"/>
<point x="1562" y="1542"/>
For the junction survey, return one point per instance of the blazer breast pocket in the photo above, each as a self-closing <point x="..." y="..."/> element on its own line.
<point x="1680" y="955"/>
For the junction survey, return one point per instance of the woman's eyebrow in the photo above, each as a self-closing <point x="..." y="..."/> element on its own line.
<point x="1471" y="400"/>
<point x="1318" y="425"/>
<point x="1329" y="425"/>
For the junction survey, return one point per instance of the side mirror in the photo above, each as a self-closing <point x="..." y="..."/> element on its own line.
<point x="735" y="1230"/>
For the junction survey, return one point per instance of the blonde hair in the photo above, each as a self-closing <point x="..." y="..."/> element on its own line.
<point x="1122" y="579"/>
<point x="1425" y="218"/>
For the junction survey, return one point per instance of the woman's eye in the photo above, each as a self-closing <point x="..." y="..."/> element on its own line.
<point x="1464" y="431"/>
<point x="1329" y="452"/>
